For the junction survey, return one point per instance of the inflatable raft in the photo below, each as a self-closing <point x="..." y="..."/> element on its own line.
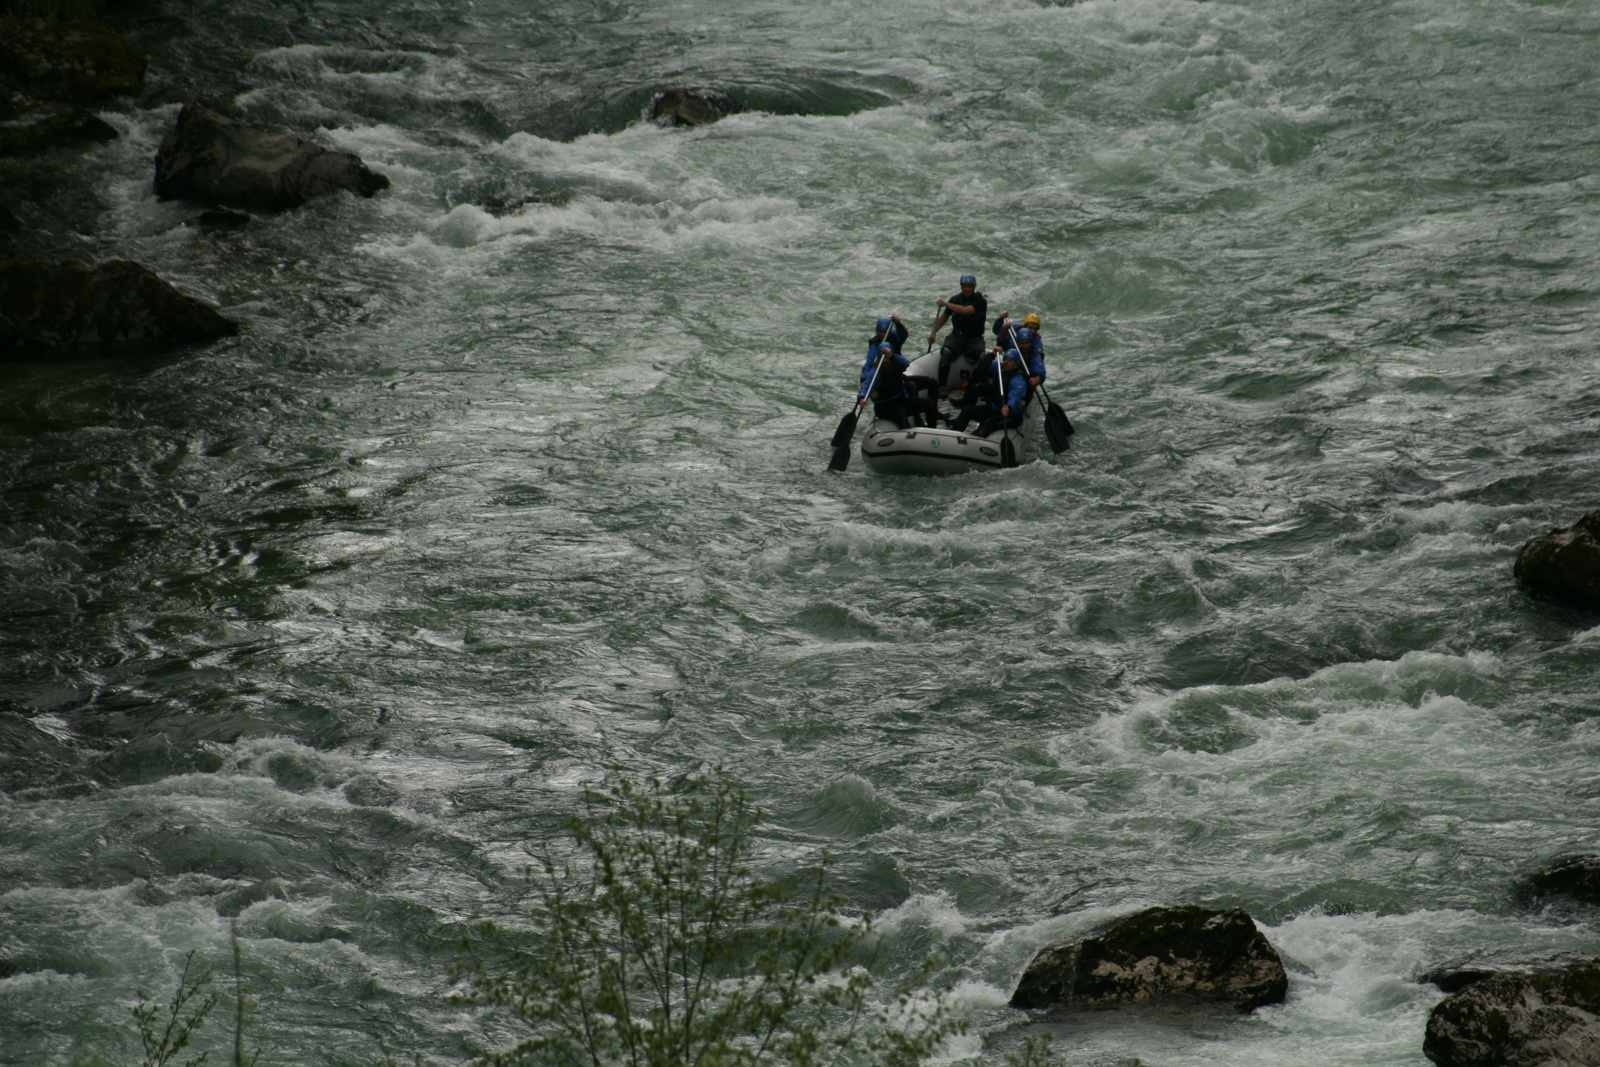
<point x="929" y="450"/>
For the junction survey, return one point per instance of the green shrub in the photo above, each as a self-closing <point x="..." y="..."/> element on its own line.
<point x="663" y="948"/>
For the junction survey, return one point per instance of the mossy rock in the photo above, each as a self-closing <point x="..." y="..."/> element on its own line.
<point x="67" y="308"/>
<point x="72" y="62"/>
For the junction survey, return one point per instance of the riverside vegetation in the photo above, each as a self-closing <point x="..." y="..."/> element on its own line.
<point x="654" y="942"/>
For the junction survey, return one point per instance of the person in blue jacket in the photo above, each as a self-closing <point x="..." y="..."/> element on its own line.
<point x="1030" y="350"/>
<point x="1005" y="405"/>
<point x="1026" y="340"/>
<point x="883" y="381"/>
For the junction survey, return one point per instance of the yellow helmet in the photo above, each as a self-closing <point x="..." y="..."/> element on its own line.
<point x="1031" y="321"/>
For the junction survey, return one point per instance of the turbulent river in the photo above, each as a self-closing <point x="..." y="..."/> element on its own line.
<point x="324" y="627"/>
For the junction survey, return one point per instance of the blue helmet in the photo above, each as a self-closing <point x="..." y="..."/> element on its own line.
<point x="1011" y="353"/>
<point x="1024" y="335"/>
<point x="969" y="279"/>
<point x="884" y="324"/>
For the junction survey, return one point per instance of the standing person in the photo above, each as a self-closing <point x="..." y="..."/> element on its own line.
<point x="883" y="381"/>
<point x="966" y="312"/>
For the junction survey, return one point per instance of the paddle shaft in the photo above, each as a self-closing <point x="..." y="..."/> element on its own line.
<point x="843" y="436"/>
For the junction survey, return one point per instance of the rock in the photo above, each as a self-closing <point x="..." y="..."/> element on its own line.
<point x="370" y="792"/>
<point x="501" y="206"/>
<point x="692" y="107"/>
<point x="48" y="70"/>
<point x="40" y="125"/>
<point x="1456" y="975"/>
<point x="1157" y="954"/>
<point x="1564" y="563"/>
<point x="219" y="219"/>
<point x="72" y="62"/>
<point x="66" y="307"/>
<point x="232" y="903"/>
<point x="213" y="158"/>
<point x="1577" y="877"/>
<point x="1515" y="1020"/>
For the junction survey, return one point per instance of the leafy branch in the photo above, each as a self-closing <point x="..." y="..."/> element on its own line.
<point x="663" y="947"/>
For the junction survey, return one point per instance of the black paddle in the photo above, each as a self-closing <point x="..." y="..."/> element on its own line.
<point x="847" y="425"/>
<point x="1057" y="427"/>
<point x="1008" y="451"/>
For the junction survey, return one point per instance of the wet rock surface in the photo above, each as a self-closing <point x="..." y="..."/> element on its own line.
<point x="212" y="158"/>
<point x="49" y="70"/>
<point x="1158" y="954"/>
<point x="67" y="308"/>
<point x="1577" y="877"/>
<point x="1520" y="1020"/>
<point x="692" y="107"/>
<point x="1565" y="563"/>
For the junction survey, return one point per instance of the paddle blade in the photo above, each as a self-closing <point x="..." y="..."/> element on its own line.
<point x="1052" y="433"/>
<point x="841" y="457"/>
<point x="1008" y="451"/>
<point x="846" y="430"/>
<point x="1057" y="428"/>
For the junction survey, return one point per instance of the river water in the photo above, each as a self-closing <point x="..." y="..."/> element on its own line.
<point x="323" y="627"/>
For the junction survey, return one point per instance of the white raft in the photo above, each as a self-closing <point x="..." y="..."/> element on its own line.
<point x="928" y="450"/>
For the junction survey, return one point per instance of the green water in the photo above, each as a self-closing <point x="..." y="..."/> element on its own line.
<point x="322" y="627"/>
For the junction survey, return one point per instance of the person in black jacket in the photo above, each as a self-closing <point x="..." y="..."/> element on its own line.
<point x="890" y="329"/>
<point x="966" y="312"/>
<point x="883" y="381"/>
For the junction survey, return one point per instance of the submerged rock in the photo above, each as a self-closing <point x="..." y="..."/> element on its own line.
<point x="219" y="219"/>
<point x="1158" y="954"/>
<point x="1564" y="563"/>
<point x="692" y="107"/>
<point x="66" y="307"/>
<point x="232" y="903"/>
<point x="501" y="206"/>
<point x="210" y="157"/>
<point x="367" y="791"/>
<point x="1518" y="1020"/>
<point x="1577" y="877"/>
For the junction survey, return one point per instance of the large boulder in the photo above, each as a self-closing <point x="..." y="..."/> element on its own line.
<point x="1520" y="1020"/>
<point x="68" y="308"/>
<point x="1564" y="563"/>
<point x="210" y="157"/>
<point x="692" y="107"/>
<point x="1158" y="954"/>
